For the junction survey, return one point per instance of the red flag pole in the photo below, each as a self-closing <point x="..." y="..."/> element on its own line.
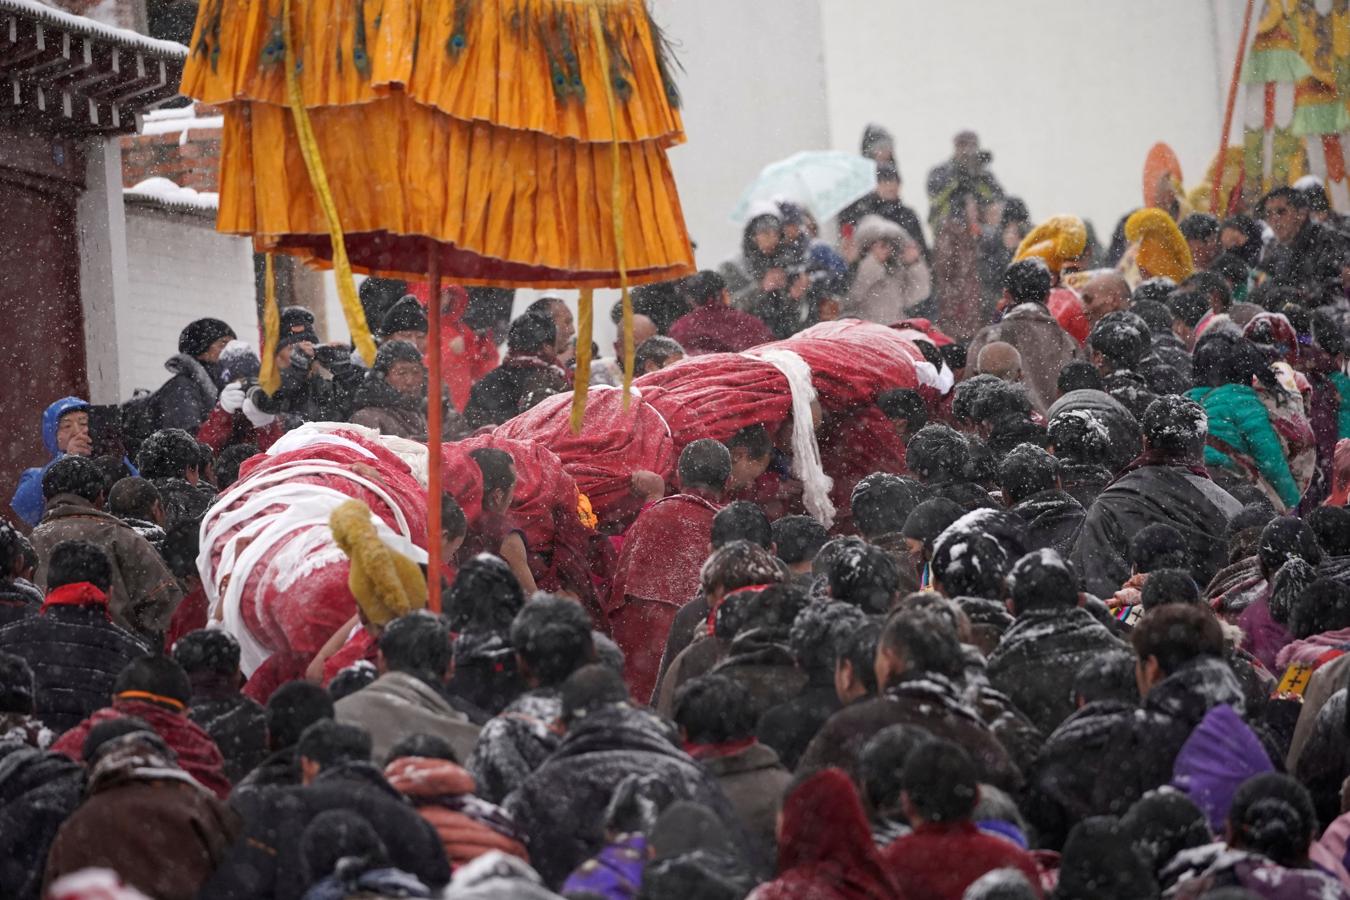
<point x="1228" y="111"/>
<point x="434" y="430"/>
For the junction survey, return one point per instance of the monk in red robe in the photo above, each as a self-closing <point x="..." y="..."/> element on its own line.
<point x="663" y="553"/>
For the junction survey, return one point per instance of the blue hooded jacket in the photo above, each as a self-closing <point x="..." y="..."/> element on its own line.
<point x="28" y="501"/>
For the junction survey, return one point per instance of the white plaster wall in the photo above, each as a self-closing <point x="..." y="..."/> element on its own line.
<point x="180" y="269"/>
<point x="1068" y="95"/>
<point x="103" y="269"/>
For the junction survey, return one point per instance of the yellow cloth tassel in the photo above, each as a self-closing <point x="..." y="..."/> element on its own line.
<point x="616" y="215"/>
<point x="581" y="384"/>
<point x="309" y="149"/>
<point x="386" y="584"/>
<point x="269" y="377"/>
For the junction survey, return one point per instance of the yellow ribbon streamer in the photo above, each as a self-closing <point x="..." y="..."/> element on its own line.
<point x="269" y="377"/>
<point x="309" y="150"/>
<point x="585" y="322"/>
<point x="616" y="208"/>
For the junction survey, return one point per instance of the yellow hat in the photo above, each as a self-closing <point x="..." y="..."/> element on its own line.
<point x="1056" y="240"/>
<point x="386" y="584"/>
<point x="1162" y="249"/>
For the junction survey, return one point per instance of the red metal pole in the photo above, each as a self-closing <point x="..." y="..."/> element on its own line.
<point x="1228" y="111"/>
<point x="434" y="430"/>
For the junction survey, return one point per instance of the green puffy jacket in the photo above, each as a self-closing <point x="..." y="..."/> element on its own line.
<point x="1238" y="418"/>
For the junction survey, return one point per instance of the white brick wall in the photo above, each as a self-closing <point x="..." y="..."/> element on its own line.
<point x="180" y="269"/>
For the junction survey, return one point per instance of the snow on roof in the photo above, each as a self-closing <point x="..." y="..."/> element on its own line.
<point x="179" y="121"/>
<point x="83" y="25"/>
<point x="163" y="192"/>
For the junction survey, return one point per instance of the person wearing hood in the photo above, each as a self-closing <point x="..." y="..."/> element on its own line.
<point x="392" y="399"/>
<point x="716" y="718"/>
<point x="268" y="859"/>
<point x="156" y="690"/>
<point x="818" y="639"/>
<point x="73" y="623"/>
<point x="529" y="374"/>
<point x="238" y="725"/>
<point x="884" y="201"/>
<point x="561" y="805"/>
<point x="1031" y="488"/>
<point x="1046" y="347"/>
<point x="919" y="663"/>
<point x="65" y="431"/>
<point x="825" y="848"/>
<point x="424" y="769"/>
<point x="551" y="638"/>
<point x="468" y="354"/>
<point x="761" y="250"/>
<point x="236" y="419"/>
<point x="712" y="325"/>
<point x="1165" y="484"/>
<point x="142" y="811"/>
<point x="891" y="279"/>
<point x="1052" y="635"/>
<point x="187" y="398"/>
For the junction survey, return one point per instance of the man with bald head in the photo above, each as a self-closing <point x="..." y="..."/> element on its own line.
<point x="1105" y="292"/>
<point x="1000" y="359"/>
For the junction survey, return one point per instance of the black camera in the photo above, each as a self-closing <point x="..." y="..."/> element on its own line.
<point x="265" y="402"/>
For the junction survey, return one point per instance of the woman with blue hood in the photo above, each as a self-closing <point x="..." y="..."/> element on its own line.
<point x="65" y="429"/>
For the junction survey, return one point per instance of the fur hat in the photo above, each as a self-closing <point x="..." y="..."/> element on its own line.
<point x="239" y="361"/>
<point x="405" y="315"/>
<point x="386" y="584"/>
<point x="1162" y="249"/>
<point x="297" y="326"/>
<point x="1056" y="240"/>
<point x="395" y="352"/>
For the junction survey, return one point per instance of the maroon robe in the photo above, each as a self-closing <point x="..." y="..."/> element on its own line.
<point x="657" y="573"/>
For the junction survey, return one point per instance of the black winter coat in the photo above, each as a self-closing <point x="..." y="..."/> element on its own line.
<point x="759" y="659"/>
<point x="924" y="699"/>
<point x="561" y="807"/>
<point x="38" y="792"/>
<point x="186" y="399"/>
<point x="238" y="725"/>
<point x="1194" y="506"/>
<point x="515" y="743"/>
<point x="1053" y="519"/>
<point x="76" y="655"/>
<point x="1037" y="658"/>
<point x="1084" y="481"/>
<point x="1061" y="783"/>
<point x="266" y="861"/>
<point x="1312" y="261"/>
<point x="502" y="393"/>
<point x="183" y="502"/>
<point x="789" y="727"/>
<point x="1324" y="763"/>
<point x="19" y="599"/>
<point x="1143" y="747"/>
<point x="279" y="769"/>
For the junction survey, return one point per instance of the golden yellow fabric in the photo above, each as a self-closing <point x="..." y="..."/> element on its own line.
<point x="386" y="584"/>
<point x="1162" y="249"/>
<point x="476" y="149"/>
<point x="268" y="376"/>
<point x="1057" y="240"/>
<point x="460" y="185"/>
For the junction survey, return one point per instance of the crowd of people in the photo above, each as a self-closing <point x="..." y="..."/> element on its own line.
<point x="1087" y="639"/>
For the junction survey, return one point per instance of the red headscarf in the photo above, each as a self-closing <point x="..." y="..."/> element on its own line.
<point x="824" y="839"/>
<point x="466" y="355"/>
<point x="1340" y="478"/>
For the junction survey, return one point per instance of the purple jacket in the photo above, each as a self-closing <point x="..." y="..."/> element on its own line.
<point x="1265" y="636"/>
<point x="1221" y="753"/>
<point x="615" y="873"/>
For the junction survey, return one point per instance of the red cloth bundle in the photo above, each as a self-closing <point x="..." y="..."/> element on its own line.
<point x="716" y="396"/>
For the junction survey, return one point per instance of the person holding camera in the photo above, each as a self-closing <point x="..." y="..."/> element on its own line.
<point x="237" y="417"/>
<point x="318" y="381"/>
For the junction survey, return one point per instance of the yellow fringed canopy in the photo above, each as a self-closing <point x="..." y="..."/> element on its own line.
<point x="482" y="125"/>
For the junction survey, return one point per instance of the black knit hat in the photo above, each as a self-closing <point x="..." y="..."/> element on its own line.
<point x="198" y="336"/>
<point x="297" y="325"/>
<point x="405" y="315"/>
